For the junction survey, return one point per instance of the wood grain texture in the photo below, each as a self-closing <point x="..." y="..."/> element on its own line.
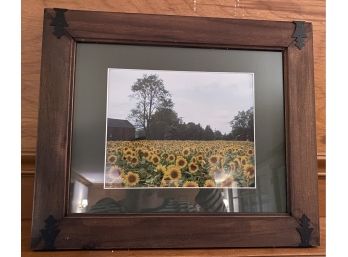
<point x="283" y="10"/>
<point x="53" y="125"/>
<point x="110" y="232"/>
<point x="177" y="30"/>
<point x="301" y="141"/>
<point x="256" y="252"/>
<point x="32" y="16"/>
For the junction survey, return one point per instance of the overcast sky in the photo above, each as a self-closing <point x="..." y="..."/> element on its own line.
<point x="208" y="98"/>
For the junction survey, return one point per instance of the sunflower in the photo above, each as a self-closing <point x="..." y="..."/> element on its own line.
<point x="190" y="184"/>
<point x="249" y="171"/>
<point x="192" y="167"/>
<point x="200" y="157"/>
<point x="214" y="159"/>
<point x="164" y="156"/>
<point x="237" y="162"/>
<point x="149" y="157"/>
<point x="171" y="158"/>
<point x="243" y="160"/>
<point x="139" y="150"/>
<point x="155" y="159"/>
<point x="174" y="172"/>
<point x="131" y="179"/>
<point x="112" y="159"/>
<point x="134" y="160"/>
<point x="146" y="153"/>
<point x="128" y="152"/>
<point x="172" y="161"/>
<point x="250" y="152"/>
<point x="160" y="168"/>
<point x="209" y="183"/>
<point x="129" y="158"/>
<point x="181" y="162"/>
<point x="186" y="151"/>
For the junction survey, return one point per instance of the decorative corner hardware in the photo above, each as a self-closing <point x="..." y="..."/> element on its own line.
<point x="305" y="231"/>
<point x="50" y="232"/>
<point x="59" y="22"/>
<point x="299" y="34"/>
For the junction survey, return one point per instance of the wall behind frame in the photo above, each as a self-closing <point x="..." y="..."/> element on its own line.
<point x="32" y="19"/>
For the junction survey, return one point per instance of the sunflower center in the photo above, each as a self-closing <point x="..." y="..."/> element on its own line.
<point x="250" y="171"/>
<point x="131" y="178"/>
<point x="181" y="162"/>
<point x="174" y="174"/>
<point x="213" y="159"/>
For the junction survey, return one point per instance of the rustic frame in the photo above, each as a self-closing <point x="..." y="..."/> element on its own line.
<point x="53" y="229"/>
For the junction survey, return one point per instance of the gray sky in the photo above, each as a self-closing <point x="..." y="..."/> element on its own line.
<point x="208" y="98"/>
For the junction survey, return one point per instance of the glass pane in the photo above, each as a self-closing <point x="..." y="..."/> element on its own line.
<point x="97" y="64"/>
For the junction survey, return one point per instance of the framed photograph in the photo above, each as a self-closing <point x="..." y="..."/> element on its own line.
<point x="174" y="132"/>
<point x="161" y="133"/>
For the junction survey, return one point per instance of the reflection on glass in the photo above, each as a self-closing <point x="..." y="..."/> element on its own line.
<point x="89" y="132"/>
<point x="93" y="198"/>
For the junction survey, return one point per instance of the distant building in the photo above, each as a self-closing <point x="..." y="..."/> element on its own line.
<point x="120" y="130"/>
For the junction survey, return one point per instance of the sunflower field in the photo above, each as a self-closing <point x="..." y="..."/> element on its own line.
<point x="151" y="163"/>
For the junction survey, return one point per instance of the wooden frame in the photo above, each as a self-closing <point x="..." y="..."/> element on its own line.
<point x="52" y="228"/>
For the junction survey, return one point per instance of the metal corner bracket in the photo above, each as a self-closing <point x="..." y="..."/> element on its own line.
<point x="59" y="22"/>
<point x="305" y="230"/>
<point x="299" y="34"/>
<point x="50" y="232"/>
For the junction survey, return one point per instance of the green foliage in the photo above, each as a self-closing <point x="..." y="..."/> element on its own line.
<point x="243" y="126"/>
<point x="155" y="118"/>
<point x="150" y="93"/>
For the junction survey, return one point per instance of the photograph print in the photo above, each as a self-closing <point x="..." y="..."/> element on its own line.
<point x="179" y="129"/>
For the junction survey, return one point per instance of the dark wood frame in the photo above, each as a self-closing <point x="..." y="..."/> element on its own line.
<point x="53" y="228"/>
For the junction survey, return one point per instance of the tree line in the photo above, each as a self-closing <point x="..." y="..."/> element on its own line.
<point x="156" y="119"/>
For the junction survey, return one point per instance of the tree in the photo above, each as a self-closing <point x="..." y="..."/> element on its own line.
<point x="191" y="131"/>
<point x="217" y="135"/>
<point x="243" y="126"/>
<point x="208" y="133"/>
<point x="150" y="93"/>
<point x="163" y="121"/>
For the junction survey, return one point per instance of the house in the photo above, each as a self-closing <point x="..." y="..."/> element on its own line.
<point x="120" y="130"/>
